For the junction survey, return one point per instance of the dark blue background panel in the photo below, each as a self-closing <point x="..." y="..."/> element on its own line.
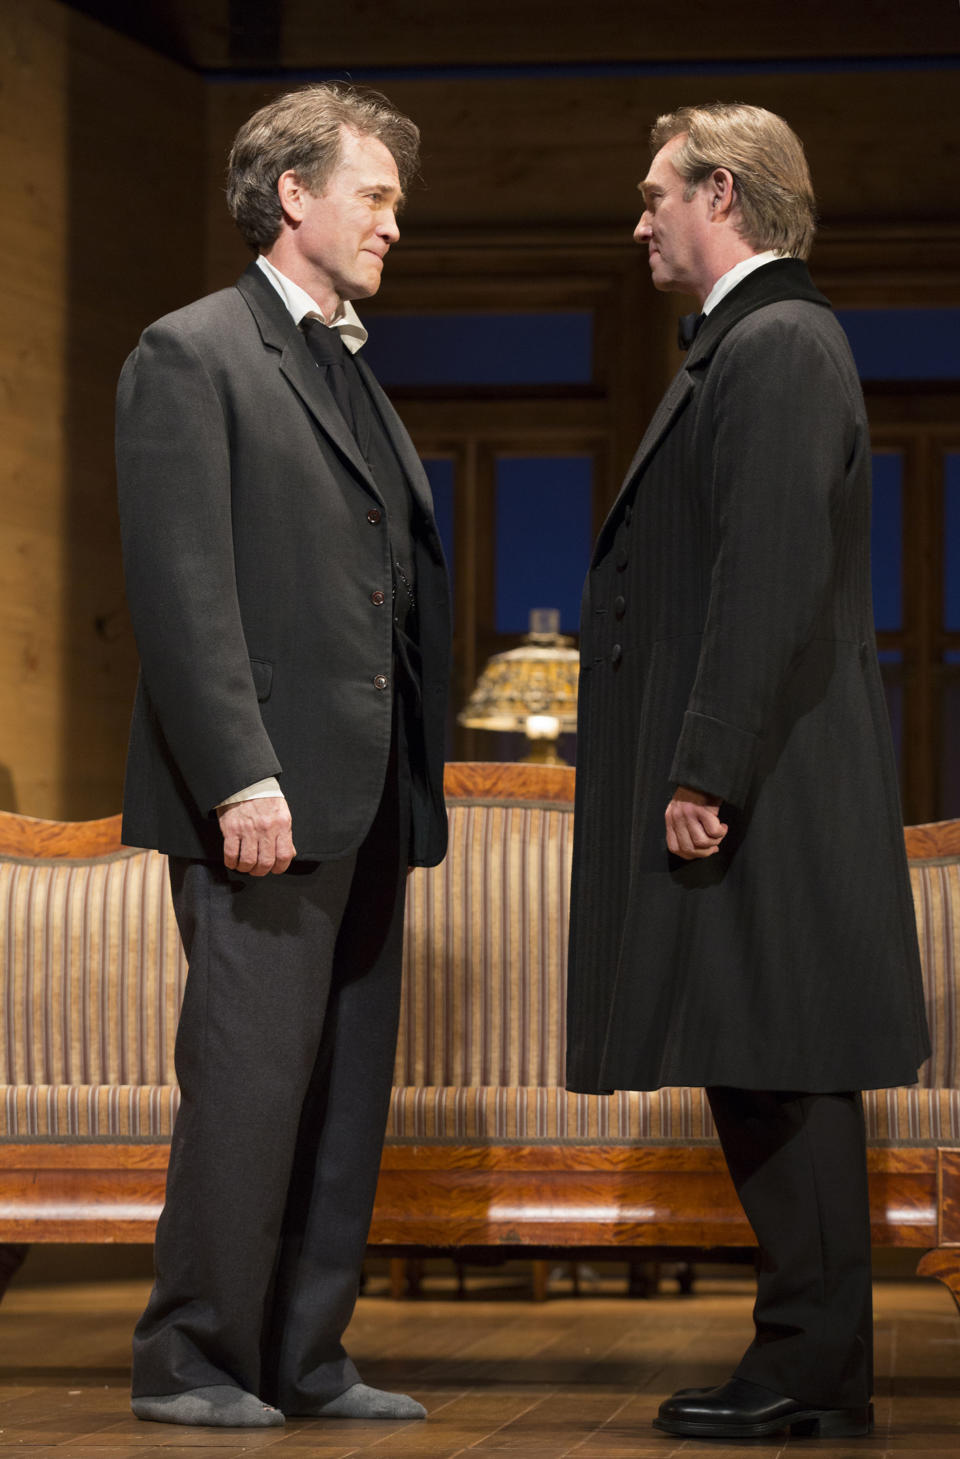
<point x="482" y="349"/>
<point x="904" y="344"/>
<point x="886" y="540"/>
<point x="951" y="542"/>
<point x="544" y="537"/>
<point x="440" y="474"/>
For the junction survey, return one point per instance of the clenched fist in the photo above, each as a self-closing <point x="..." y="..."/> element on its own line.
<point x="257" y="835"/>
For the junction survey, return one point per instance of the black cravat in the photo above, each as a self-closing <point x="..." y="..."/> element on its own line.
<point x="326" y="346"/>
<point x="687" y="326"/>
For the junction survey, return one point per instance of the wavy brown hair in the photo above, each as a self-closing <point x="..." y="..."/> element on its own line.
<point x="302" y="132"/>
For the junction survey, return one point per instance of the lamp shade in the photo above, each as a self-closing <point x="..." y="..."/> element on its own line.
<point x="538" y="678"/>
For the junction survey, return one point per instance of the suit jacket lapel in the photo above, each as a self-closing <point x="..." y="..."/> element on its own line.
<point x="298" y="367"/>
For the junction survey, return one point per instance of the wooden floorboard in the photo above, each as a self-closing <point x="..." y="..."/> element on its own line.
<point x="502" y="1377"/>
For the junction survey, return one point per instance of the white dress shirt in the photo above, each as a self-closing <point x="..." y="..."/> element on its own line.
<point x="735" y="275"/>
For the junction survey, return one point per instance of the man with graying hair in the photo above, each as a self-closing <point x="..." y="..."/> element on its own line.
<point x="289" y="597"/>
<point x="741" y="913"/>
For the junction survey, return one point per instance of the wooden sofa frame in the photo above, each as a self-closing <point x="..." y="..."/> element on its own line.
<point x="521" y="1199"/>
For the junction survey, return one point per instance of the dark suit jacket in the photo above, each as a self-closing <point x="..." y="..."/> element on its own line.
<point x="253" y="538"/>
<point x="727" y="643"/>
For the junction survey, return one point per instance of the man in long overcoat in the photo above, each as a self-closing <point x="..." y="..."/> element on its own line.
<point x="741" y="912"/>
<point x="289" y="597"/>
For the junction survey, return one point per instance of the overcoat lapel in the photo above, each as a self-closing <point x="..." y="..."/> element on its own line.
<point x="787" y="278"/>
<point x="678" y="393"/>
<point x="279" y="332"/>
<point x="666" y="412"/>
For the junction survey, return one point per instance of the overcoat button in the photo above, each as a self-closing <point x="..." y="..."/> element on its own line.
<point x="377" y="597"/>
<point x="374" y="515"/>
<point x="616" y="654"/>
<point x="621" y="558"/>
<point x="619" y="605"/>
<point x="380" y="682"/>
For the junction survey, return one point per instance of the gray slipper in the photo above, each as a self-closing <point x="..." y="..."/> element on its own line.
<point x="222" y="1406"/>
<point x="363" y="1402"/>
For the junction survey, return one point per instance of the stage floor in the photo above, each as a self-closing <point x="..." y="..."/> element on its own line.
<point x="578" y="1377"/>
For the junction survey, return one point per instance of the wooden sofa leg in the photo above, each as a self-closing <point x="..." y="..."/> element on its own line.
<point x="540" y="1273"/>
<point x="12" y="1257"/>
<point x="943" y="1263"/>
<point x="398" y="1277"/>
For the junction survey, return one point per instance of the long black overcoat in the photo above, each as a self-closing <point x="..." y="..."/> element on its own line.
<point x="727" y="644"/>
<point x="255" y="540"/>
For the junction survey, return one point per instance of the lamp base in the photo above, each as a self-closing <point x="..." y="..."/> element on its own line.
<point x="543" y="752"/>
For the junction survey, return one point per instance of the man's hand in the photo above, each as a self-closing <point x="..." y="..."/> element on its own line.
<point x="257" y="835"/>
<point x="694" y="829"/>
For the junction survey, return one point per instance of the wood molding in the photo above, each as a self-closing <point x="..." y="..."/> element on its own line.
<point x="28" y="836"/>
<point x="24" y="836"/>
<point x="446" y="1196"/>
<point x="492" y="780"/>
<point x="937" y="838"/>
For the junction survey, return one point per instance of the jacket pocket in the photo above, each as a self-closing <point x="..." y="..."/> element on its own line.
<point x="262" y="672"/>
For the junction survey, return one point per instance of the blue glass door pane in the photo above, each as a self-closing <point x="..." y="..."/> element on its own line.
<point x="543" y="537"/>
<point x="440" y="474"/>
<point x="904" y="344"/>
<point x="546" y="348"/>
<point x="886" y="540"/>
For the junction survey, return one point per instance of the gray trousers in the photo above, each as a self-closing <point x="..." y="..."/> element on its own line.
<point x="284" y="1055"/>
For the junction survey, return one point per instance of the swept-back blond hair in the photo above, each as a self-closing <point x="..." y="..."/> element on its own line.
<point x="773" y="188"/>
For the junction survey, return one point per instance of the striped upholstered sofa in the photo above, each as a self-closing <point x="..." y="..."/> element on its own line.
<point x="484" y="1147"/>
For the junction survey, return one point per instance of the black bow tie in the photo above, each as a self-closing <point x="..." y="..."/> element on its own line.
<point x="687" y="326"/>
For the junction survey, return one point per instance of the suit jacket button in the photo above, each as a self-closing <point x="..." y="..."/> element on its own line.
<point x="380" y="681"/>
<point x="374" y="515"/>
<point x="377" y="597"/>
<point x="619" y="605"/>
<point x="616" y="654"/>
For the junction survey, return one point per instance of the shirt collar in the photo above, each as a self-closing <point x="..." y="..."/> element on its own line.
<point x="737" y="274"/>
<point x="301" y="307"/>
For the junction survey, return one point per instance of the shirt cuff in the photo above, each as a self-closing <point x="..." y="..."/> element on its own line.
<point x="258" y="791"/>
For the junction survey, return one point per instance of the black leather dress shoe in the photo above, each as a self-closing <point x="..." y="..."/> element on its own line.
<point x="739" y="1409"/>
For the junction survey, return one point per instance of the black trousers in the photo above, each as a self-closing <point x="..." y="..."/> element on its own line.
<point x="798" y="1162"/>
<point x="285" y="1053"/>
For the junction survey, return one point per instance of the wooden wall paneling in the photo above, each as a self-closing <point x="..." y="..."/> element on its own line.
<point x="920" y="423"/>
<point x="431" y="32"/>
<point x="101" y="234"/>
<point x="530" y="152"/>
<point x="135" y="167"/>
<point x="300" y="35"/>
<point x="892" y="265"/>
<point x="33" y="388"/>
